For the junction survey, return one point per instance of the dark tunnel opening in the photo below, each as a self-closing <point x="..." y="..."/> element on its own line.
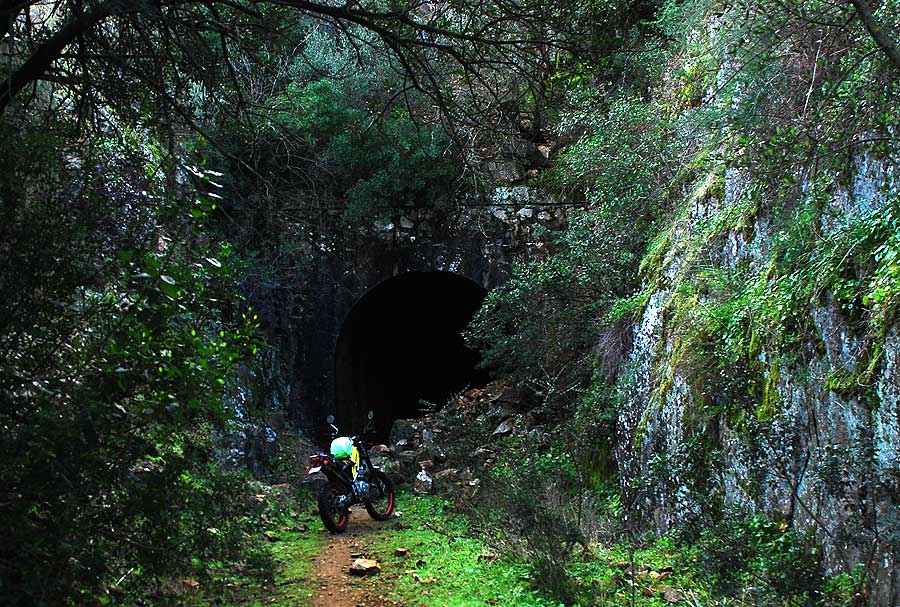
<point x="402" y="344"/>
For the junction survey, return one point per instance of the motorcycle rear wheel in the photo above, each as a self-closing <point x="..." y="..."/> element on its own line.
<point x="380" y="503"/>
<point x="334" y="516"/>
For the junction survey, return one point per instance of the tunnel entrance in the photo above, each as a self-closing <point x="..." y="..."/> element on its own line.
<point x="401" y="344"/>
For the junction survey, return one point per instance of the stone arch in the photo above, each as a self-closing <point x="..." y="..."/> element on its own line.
<point x="401" y="344"/>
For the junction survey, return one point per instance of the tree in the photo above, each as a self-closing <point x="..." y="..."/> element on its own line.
<point x="483" y="42"/>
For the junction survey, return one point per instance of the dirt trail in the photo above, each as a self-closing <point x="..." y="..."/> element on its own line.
<point x="334" y="586"/>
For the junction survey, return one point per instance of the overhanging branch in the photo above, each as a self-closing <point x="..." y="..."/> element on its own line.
<point x="40" y="61"/>
<point x="876" y="29"/>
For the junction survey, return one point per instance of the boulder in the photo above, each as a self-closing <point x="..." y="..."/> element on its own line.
<point x="407" y="457"/>
<point x="424" y="484"/>
<point x="428" y="438"/>
<point x="365" y="567"/>
<point x="505" y="428"/>
<point x="394" y="472"/>
<point x="670" y="595"/>
<point x="504" y="393"/>
<point x="449" y="475"/>
<point x="402" y="429"/>
<point x="382" y="451"/>
<point x="483" y="457"/>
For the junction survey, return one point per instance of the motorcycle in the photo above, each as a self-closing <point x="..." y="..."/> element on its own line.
<point x="352" y="479"/>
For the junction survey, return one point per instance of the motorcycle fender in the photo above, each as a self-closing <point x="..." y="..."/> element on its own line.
<point x="315" y="470"/>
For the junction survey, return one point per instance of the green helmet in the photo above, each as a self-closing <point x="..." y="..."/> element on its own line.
<point x="341" y="447"/>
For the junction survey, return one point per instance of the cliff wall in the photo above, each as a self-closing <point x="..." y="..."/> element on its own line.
<point x="762" y="383"/>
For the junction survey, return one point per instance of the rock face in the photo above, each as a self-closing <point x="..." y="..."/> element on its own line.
<point x="822" y="451"/>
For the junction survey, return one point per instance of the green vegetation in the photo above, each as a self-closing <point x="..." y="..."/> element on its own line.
<point x="763" y="216"/>
<point x="174" y="177"/>
<point x="290" y="538"/>
<point x="166" y="168"/>
<point x="447" y="564"/>
<point x="120" y="338"/>
<point x="749" y="559"/>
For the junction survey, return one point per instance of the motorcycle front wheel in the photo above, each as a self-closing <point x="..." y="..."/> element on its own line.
<point x="334" y="515"/>
<point x="380" y="503"/>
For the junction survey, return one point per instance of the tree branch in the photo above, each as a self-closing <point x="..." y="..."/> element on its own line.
<point x="41" y="60"/>
<point x="881" y="37"/>
<point x="9" y="11"/>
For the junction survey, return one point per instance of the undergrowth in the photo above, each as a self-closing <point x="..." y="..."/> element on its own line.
<point x="292" y="536"/>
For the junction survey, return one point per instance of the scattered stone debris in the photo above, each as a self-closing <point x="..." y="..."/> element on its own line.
<point x="402" y="430"/>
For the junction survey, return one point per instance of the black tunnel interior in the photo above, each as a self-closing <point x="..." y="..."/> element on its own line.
<point x="402" y="344"/>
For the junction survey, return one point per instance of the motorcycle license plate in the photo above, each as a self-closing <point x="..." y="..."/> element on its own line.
<point x="314" y="470"/>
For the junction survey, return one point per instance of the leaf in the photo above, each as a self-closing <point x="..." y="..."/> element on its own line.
<point x="170" y="290"/>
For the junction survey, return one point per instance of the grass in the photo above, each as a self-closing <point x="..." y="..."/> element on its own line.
<point x="293" y="541"/>
<point x="294" y="550"/>
<point x="609" y="572"/>
<point x="446" y="565"/>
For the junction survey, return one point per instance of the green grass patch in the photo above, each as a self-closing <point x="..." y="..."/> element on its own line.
<point x="644" y="577"/>
<point x="447" y="565"/>
<point x="293" y="541"/>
